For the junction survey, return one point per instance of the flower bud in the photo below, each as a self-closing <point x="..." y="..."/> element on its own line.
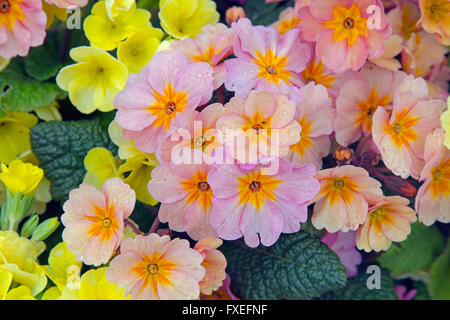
<point x="29" y="226"/>
<point x="234" y="14"/>
<point x="45" y="229"/>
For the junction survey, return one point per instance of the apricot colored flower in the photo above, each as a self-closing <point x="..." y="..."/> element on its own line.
<point x="185" y="196"/>
<point x="153" y="267"/>
<point x="68" y="3"/>
<point x="346" y="32"/>
<point x="315" y="115"/>
<point x="200" y="134"/>
<point x="139" y="48"/>
<point x="93" y="220"/>
<point x="214" y="263"/>
<point x="22" y="25"/>
<point x="393" y="48"/>
<point x="20" y="177"/>
<point x="160" y="98"/>
<point x="342" y="202"/>
<point x="400" y="135"/>
<point x="259" y="205"/>
<point x="436" y="18"/>
<point x="344" y="245"/>
<point x="106" y="33"/>
<point x="421" y="52"/>
<point x="389" y="220"/>
<point x="15" y="135"/>
<point x="94" y="80"/>
<point x="359" y="99"/>
<point x="186" y="18"/>
<point x="316" y="71"/>
<point x="263" y="124"/>
<point x="212" y="45"/>
<point x="403" y="19"/>
<point x="265" y="61"/>
<point x="433" y="198"/>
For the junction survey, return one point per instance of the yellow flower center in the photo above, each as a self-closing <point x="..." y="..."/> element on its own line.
<point x="305" y="142"/>
<point x="288" y="24"/>
<point x="348" y="24"/>
<point x="167" y="106"/>
<point x="369" y="107"/>
<point x="255" y="188"/>
<point x="314" y="71"/>
<point x="272" y="67"/>
<point x="401" y="130"/>
<point x="339" y="188"/>
<point x="257" y="123"/>
<point x="440" y="179"/>
<point x="198" y="190"/>
<point x="438" y="9"/>
<point x="104" y="223"/>
<point x="10" y="12"/>
<point x="154" y="270"/>
<point x="206" y="56"/>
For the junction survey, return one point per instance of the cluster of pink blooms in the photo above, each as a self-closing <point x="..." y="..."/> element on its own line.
<point x="319" y="80"/>
<point x="23" y="24"/>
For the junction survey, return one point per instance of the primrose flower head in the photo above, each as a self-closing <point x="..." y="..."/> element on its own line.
<point x="22" y="25"/>
<point x="400" y="136"/>
<point x="186" y="18"/>
<point x="436" y="18"/>
<point x="212" y="45"/>
<point x="266" y="61"/>
<point x="433" y="198"/>
<point x="93" y="220"/>
<point x="185" y="196"/>
<point x="263" y="124"/>
<point x="346" y="32"/>
<point x="153" y="267"/>
<point x="94" y="80"/>
<point x="256" y="200"/>
<point x="360" y="98"/>
<point x="342" y="202"/>
<point x="160" y="98"/>
<point x="214" y="263"/>
<point x="95" y="286"/>
<point x="389" y="220"/>
<point x="22" y="178"/>
<point x="315" y="115"/>
<point x="139" y="48"/>
<point x="106" y="33"/>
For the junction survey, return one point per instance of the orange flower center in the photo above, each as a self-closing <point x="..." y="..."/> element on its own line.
<point x="167" y="106"/>
<point x="288" y="24"/>
<point x="255" y="188"/>
<point x="369" y="107"/>
<point x="198" y="190"/>
<point x="314" y="71"/>
<point x="10" y="12"/>
<point x="271" y="67"/>
<point x="440" y="179"/>
<point x="305" y="142"/>
<point x="339" y="188"/>
<point x="206" y="56"/>
<point x="104" y="223"/>
<point x="401" y="130"/>
<point x="348" y="24"/>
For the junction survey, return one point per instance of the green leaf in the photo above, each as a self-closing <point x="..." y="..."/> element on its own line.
<point x="21" y="93"/>
<point x="422" y="291"/>
<point x="297" y="266"/>
<point x="42" y="62"/>
<point x="262" y="13"/>
<point x="61" y="148"/>
<point x="439" y="285"/>
<point x="416" y="252"/>
<point x="357" y="289"/>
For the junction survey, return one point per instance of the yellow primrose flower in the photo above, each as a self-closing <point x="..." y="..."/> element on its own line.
<point x="100" y="165"/>
<point x="116" y="7"/>
<point x="21" y="177"/>
<point x="18" y="256"/>
<point x="6" y="293"/>
<point x="105" y="33"/>
<point x="445" y="121"/>
<point x="49" y="113"/>
<point x="94" y="81"/>
<point x="186" y="18"/>
<point x="61" y="264"/>
<point x="139" y="48"/>
<point x="94" y="286"/>
<point x="15" y="135"/>
<point x="52" y="11"/>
